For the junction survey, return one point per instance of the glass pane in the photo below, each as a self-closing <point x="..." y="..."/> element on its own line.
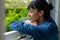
<point x="15" y="10"/>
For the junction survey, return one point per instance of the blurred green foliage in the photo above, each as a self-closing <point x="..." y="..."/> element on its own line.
<point x="13" y="15"/>
<point x="16" y="3"/>
<point x="15" y="10"/>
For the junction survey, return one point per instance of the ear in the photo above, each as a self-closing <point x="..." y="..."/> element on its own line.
<point x="41" y="12"/>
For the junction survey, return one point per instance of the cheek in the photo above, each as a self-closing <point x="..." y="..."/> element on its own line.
<point x="36" y="16"/>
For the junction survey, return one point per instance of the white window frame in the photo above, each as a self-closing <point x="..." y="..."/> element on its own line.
<point x="2" y="19"/>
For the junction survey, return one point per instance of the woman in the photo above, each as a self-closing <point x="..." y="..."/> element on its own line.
<point x="40" y="25"/>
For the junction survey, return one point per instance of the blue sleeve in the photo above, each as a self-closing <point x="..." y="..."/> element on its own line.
<point x="15" y="26"/>
<point x="26" y="29"/>
<point x="34" y="31"/>
<point x="19" y="26"/>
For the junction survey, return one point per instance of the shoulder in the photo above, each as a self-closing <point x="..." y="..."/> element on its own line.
<point x="51" y="25"/>
<point x="48" y="26"/>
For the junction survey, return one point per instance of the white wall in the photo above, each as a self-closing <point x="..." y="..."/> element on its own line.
<point x="59" y="15"/>
<point x="2" y="19"/>
<point x="59" y="18"/>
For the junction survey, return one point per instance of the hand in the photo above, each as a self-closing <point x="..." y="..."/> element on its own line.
<point x="29" y="22"/>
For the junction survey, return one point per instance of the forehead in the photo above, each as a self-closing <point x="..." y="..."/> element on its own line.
<point x="31" y="9"/>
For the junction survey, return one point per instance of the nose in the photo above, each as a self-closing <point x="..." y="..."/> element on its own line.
<point x="29" y="14"/>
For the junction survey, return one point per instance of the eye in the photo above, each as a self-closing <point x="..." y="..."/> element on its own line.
<point x="30" y="11"/>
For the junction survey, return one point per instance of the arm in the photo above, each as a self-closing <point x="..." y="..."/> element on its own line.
<point x="31" y="30"/>
<point x="26" y="29"/>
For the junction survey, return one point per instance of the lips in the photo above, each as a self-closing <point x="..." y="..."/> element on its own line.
<point x="31" y="18"/>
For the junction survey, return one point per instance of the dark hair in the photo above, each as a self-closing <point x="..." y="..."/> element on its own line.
<point x="41" y="5"/>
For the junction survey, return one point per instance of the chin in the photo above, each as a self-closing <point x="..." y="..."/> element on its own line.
<point x="32" y="20"/>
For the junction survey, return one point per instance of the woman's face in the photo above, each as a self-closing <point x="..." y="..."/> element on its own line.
<point x="33" y="14"/>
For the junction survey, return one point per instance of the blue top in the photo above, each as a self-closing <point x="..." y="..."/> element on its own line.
<point x="47" y="30"/>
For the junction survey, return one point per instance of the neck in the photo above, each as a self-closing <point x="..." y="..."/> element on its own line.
<point x="41" y="20"/>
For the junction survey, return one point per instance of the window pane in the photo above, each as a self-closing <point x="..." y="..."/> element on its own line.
<point x="15" y="10"/>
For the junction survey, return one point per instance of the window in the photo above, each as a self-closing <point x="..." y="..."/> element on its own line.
<point x="2" y="15"/>
<point x="15" y="10"/>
